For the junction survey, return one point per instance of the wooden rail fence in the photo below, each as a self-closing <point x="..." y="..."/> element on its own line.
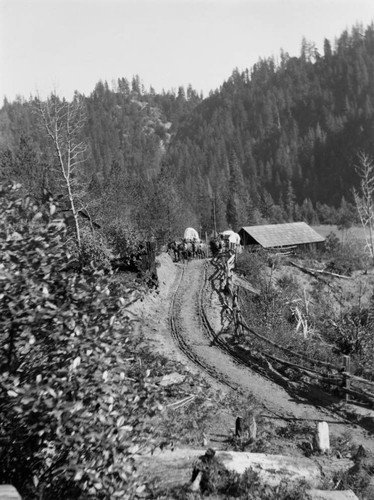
<point x="336" y="376"/>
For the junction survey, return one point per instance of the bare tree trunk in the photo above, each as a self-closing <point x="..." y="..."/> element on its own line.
<point x="364" y="199"/>
<point x="63" y="122"/>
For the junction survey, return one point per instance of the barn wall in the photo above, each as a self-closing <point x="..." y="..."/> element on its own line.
<point x="246" y="239"/>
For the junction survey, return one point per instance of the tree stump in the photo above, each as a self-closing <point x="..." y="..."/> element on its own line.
<point x="238" y="426"/>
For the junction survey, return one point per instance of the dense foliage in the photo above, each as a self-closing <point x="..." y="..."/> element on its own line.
<point x="275" y="143"/>
<point x="76" y="401"/>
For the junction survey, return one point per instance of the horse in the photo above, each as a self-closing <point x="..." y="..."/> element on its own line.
<point x="182" y="250"/>
<point x="215" y="246"/>
<point x="187" y="250"/>
<point x="175" y="247"/>
<point x="201" y="250"/>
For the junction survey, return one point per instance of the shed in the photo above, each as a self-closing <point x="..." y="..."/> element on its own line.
<point x="280" y="235"/>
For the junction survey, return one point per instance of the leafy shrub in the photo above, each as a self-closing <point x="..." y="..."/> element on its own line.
<point x="274" y="261"/>
<point x="332" y="244"/>
<point x="252" y="264"/>
<point x="133" y="253"/>
<point x="125" y="241"/>
<point x="94" y="250"/>
<point x="344" y="258"/>
<point x="249" y="485"/>
<point x="352" y="334"/>
<point x="74" y="406"/>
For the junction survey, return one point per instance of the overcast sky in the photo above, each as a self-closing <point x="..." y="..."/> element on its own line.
<point x="70" y="45"/>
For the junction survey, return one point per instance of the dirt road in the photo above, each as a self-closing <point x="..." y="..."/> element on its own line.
<point x="181" y="322"/>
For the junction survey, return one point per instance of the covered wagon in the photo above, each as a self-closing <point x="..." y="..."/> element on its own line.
<point x="191" y="234"/>
<point x="230" y="236"/>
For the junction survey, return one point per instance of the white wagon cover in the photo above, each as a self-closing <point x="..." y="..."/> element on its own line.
<point x="191" y="234"/>
<point x="232" y="236"/>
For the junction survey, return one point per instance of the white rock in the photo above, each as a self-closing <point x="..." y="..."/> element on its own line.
<point x="172" y="378"/>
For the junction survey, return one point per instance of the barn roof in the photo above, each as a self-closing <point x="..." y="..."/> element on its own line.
<point x="279" y="235"/>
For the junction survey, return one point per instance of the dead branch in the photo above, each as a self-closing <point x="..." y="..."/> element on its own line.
<point x="318" y="271"/>
<point x="181" y="402"/>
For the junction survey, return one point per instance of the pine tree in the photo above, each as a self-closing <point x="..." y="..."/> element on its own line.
<point x="237" y="198"/>
<point x="290" y="202"/>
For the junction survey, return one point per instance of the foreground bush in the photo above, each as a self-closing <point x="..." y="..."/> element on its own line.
<point x="74" y="406"/>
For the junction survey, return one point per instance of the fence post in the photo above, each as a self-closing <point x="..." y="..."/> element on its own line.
<point x="228" y="274"/>
<point x="252" y="428"/>
<point x="347" y="369"/>
<point x="323" y="437"/>
<point x="236" y="313"/>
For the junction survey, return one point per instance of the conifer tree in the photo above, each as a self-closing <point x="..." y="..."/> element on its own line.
<point x="237" y="198"/>
<point x="290" y="202"/>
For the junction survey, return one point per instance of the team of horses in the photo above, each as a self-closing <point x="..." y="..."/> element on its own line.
<point x="187" y="250"/>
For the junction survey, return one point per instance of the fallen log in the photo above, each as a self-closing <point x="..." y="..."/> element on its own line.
<point x="170" y="469"/>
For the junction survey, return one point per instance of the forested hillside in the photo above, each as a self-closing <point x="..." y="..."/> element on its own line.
<point x="289" y="129"/>
<point x="276" y="142"/>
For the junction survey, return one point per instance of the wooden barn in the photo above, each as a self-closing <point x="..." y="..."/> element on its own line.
<point x="292" y="234"/>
